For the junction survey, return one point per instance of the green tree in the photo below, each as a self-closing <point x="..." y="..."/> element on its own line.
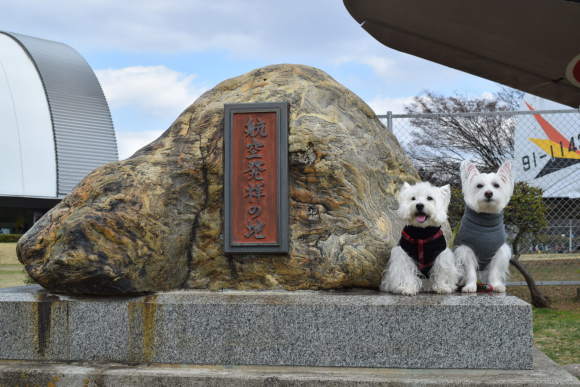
<point x="526" y="216"/>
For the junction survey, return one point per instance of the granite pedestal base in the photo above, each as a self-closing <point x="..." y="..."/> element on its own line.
<point x="350" y="329"/>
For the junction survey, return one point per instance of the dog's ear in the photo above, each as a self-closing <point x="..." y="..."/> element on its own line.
<point x="505" y="172"/>
<point x="405" y="187"/>
<point x="446" y="193"/>
<point x="468" y="170"/>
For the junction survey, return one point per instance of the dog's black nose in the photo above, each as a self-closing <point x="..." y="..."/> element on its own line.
<point x="420" y="206"/>
<point x="488" y="194"/>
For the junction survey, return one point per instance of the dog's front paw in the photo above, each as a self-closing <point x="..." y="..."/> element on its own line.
<point x="405" y="291"/>
<point x="498" y="288"/>
<point x="469" y="288"/>
<point x="443" y="289"/>
<point x="409" y="292"/>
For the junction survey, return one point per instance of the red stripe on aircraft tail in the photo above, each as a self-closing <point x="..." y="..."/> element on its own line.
<point x="550" y="131"/>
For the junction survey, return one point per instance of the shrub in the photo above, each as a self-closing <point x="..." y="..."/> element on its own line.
<point x="9" y="238"/>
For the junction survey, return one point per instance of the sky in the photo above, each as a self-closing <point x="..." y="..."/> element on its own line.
<point x="154" y="58"/>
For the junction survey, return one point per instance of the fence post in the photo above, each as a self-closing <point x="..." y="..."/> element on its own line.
<point x="570" y="236"/>
<point x="390" y="121"/>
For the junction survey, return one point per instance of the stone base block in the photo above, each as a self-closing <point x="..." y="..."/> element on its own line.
<point x="34" y="373"/>
<point x="350" y="329"/>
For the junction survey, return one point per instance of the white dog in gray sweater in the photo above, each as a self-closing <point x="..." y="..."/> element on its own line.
<point x="481" y="247"/>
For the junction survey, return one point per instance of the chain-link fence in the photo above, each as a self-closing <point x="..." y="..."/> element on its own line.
<point x="544" y="146"/>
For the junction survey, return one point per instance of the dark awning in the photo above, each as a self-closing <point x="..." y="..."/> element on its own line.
<point x="531" y="45"/>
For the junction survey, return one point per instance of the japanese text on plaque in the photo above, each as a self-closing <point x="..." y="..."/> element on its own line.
<point x="254" y="191"/>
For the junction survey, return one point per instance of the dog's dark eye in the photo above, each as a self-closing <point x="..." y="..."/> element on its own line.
<point x="496" y="185"/>
<point x="429" y="198"/>
<point x="480" y="186"/>
<point x="413" y="198"/>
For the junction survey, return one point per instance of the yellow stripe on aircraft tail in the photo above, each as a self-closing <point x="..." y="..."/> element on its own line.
<point x="554" y="149"/>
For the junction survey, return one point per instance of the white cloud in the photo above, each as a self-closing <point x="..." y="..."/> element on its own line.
<point x="381" y="105"/>
<point x="223" y="39"/>
<point x="381" y="65"/>
<point x="157" y="90"/>
<point x="130" y="142"/>
<point x="320" y="33"/>
<point x="251" y="28"/>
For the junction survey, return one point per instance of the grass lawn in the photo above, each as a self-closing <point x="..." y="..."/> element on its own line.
<point x="550" y="270"/>
<point x="8" y="254"/>
<point x="557" y="333"/>
<point x="556" y="330"/>
<point x="539" y="257"/>
<point x="11" y="271"/>
<point x="12" y="275"/>
<point x="567" y="269"/>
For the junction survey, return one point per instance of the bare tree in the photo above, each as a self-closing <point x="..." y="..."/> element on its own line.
<point x="447" y="132"/>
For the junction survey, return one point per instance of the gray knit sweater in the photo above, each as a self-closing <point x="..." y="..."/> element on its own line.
<point x="483" y="233"/>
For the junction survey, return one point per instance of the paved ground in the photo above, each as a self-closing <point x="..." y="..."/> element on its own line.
<point x="574" y="369"/>
<point x="18" y="372"/>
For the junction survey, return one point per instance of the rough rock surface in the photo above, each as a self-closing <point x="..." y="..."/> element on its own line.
<point x="154" y="221"/>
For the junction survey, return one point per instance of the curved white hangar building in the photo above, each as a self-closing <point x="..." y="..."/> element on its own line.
<point x="55" y="127"/>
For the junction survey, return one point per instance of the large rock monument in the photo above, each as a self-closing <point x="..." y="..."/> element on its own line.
<point x="155" y="221"/>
